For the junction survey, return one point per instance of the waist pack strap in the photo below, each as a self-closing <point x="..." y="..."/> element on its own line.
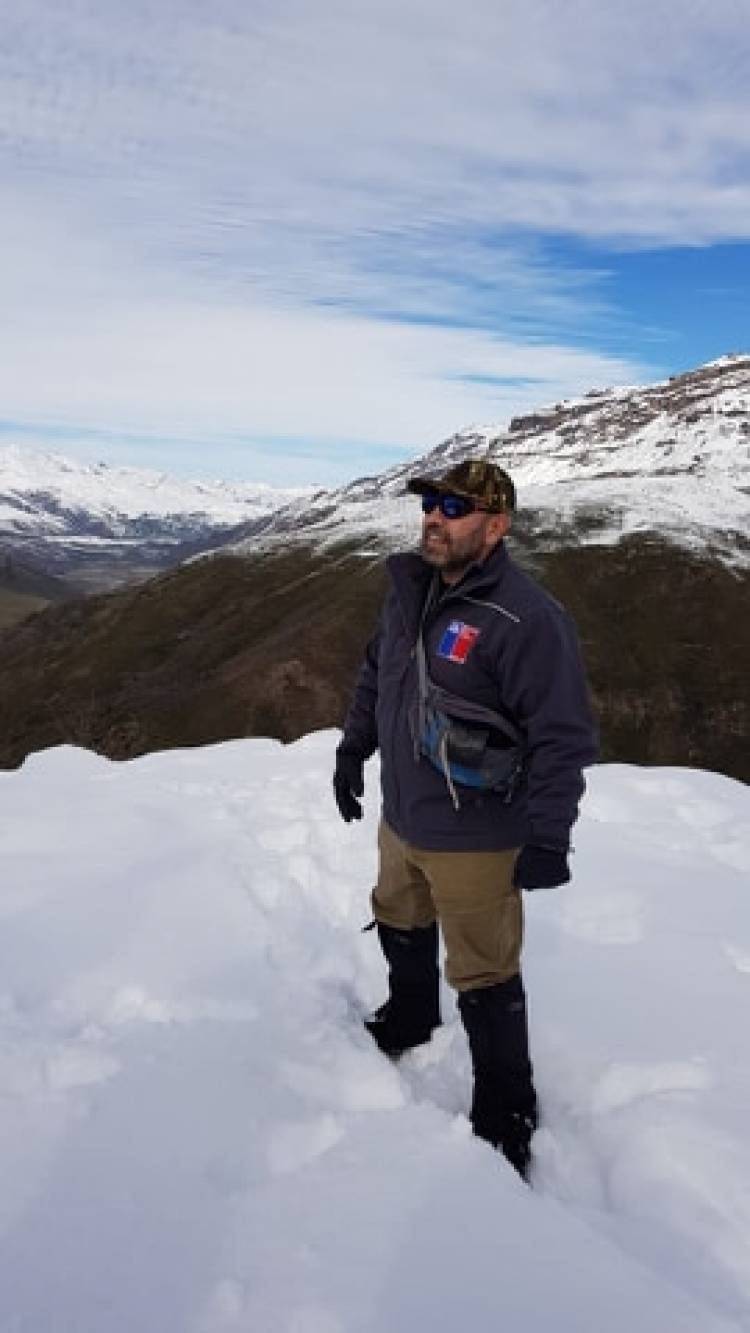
<point x="423" y="681"/>
<point x="445" y="763"/>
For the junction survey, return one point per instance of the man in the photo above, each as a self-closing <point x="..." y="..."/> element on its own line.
<point x="474" y="692"/>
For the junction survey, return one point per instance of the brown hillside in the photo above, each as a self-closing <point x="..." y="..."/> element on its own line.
<point x="270" y="645"/>
<point x="25" y="589"/>
<point x="16" y="606"/>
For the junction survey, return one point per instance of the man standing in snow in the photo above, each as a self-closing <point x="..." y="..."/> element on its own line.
<point x="474" y="692"/>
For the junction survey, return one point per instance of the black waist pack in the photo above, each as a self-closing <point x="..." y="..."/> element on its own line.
<point x="457" y="735"/>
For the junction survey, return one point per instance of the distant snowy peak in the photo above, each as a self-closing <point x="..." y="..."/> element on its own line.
<point x="49" y="493"/>
<point x="672" y="457"/>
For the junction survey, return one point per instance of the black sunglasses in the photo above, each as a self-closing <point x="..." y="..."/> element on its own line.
<point x="450" y="506"/>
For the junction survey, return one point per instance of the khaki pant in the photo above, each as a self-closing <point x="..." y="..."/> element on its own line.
<point x="471" y="894"/>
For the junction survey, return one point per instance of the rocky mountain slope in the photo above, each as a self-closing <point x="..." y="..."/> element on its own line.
<point x="100" y="526"/>
<point x="671" y="459"/>
<point x="633" y="512"/>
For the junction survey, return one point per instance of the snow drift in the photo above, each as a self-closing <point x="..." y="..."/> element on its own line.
<point x="196" y="1136"/>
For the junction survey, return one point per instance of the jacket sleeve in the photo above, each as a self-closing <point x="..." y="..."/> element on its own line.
<point x="543" y="683"/>
<point x="360" y="728"/>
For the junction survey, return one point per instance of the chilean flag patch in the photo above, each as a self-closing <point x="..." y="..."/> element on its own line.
<point x="457" y="641"/>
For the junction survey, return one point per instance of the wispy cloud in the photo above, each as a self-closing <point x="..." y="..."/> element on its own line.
<point x="286" y="219"/>
<point x="94" y="345"/>
<point x="619" y="120"/>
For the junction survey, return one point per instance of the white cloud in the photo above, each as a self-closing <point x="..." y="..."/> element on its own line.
<point x="612" y="120"/>
<point x="185" y="186"/>
<point x="92" y="347"/>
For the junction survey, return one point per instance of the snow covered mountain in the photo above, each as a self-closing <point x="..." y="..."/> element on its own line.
<point x="108" y="522"/>
<point x="197" y="1135"/>
<point x="671" y="458"/>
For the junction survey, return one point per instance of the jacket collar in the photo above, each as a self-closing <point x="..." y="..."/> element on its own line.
<point x="411" y="577"/>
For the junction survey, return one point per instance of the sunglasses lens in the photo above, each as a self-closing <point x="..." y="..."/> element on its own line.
<point x="454" y="506"/>
<point x="430" y="501"/>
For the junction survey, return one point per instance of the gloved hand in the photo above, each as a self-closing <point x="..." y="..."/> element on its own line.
<point x="540" y="868"/>
<point x="348" y="784"/>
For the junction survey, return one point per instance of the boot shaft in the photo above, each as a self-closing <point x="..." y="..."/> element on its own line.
<point x="412" y="957"/>
<point x="495" y="1021"/>
<point x="503" y="1107"/>
<point x="412" y="1011"/>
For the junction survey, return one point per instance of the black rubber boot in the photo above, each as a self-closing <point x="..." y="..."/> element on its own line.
<point x="412" y="1011"/>
<point x="503" y="1107"/>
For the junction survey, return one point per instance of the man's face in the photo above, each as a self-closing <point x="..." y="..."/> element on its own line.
<point x="452" y="544"/>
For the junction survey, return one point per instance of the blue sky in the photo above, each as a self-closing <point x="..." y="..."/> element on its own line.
<point x="289" y="242"/>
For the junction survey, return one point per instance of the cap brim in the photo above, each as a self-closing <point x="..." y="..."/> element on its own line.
<point x="423" y="486"/>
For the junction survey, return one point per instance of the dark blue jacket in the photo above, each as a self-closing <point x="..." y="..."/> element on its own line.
<point x="498" y="639"/>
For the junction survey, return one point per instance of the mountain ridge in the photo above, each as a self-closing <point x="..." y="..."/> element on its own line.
<point x="671" y="457"/>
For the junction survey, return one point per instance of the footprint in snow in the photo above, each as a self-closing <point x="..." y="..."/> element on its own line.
<point x="623" y="1084"/>
<point x="298" y="1143"/>
<point x="283" y="837"/>
<point x="739" y="957"/>
<point x="613" y="918"/>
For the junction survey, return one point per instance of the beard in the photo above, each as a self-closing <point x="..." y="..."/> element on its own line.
<point x="446" y="550"/>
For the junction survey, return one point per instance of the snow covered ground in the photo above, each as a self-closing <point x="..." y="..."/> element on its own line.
<point x="196" y="1136"/>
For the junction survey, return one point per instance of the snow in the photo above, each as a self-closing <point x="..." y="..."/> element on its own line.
<point x="197" y="1135"/>
<point x="120" y="493"/>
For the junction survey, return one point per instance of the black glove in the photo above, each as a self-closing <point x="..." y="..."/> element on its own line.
<point x="540" y="868"/>
<point x="348" y="784"/>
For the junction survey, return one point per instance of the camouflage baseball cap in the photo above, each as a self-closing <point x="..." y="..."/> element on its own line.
<point x="476" y="479"/>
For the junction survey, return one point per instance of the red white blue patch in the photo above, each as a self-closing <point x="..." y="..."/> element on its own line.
<point x="457" y="641"/>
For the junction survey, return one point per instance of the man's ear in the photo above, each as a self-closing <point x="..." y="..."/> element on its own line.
<point x="498" y="526"/>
